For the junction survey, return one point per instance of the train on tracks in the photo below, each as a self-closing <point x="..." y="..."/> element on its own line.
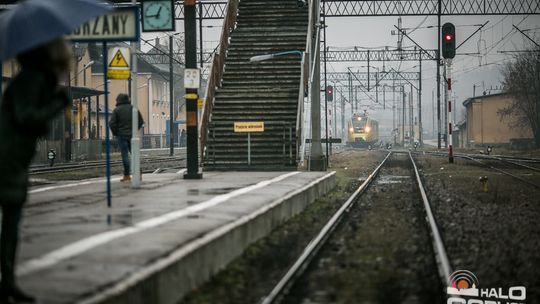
<point x="363" y="131"/>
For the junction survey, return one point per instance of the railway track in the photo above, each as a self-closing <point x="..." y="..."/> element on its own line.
<point x="489" y="160"/>
<point x="61" y="168"/>
<point x="302" y="266"/>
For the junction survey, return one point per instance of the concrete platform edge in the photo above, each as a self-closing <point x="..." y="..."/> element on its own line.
<point x="170" y="278"/>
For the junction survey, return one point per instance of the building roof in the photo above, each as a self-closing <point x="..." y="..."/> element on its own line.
<point x="76" y="92"/>
<point x="470" y="100"/>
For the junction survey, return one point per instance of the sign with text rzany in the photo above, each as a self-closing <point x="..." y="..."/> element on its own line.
<point x="249" y="126"/>
<point x="121" y="24"/>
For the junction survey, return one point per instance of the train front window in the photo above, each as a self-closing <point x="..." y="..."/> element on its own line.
<point x="359" y="126"/>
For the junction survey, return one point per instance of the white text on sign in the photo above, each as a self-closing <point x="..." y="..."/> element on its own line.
<point x="249" y="126"/>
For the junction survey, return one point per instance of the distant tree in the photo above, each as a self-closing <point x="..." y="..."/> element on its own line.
<point x="522" y="82"/>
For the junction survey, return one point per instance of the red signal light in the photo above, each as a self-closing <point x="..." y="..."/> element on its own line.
<point x="448" y="37"/>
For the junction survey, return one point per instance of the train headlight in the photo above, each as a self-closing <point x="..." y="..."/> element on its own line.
<point x="351" y="130"/>
<point x="359" y="118"/>
<point x="368" y="129"/>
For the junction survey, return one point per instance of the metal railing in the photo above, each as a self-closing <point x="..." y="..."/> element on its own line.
<point x="216" y="73"/>
<point x="306" y="76"/>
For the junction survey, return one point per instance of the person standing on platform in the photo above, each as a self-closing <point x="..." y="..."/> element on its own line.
<point x="121" y="127"/>
<point x="31" y="101"/>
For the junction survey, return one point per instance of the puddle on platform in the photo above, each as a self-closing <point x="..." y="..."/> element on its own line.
<point x="193" y="192"/>
<point x="392" y="179"/>
<point x="218" y="191"/>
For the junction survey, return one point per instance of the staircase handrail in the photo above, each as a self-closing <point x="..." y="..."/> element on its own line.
<point x="216" y="72"/>
<point x="306" y="79"/>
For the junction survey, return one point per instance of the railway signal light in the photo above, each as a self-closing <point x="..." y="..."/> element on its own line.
<point x="330" y="93"/>
<point x="448" y="40"/>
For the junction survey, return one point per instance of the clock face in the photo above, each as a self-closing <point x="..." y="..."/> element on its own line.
<point x="158" y="15"/>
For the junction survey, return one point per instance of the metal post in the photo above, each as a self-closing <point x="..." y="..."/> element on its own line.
<point x="171" y="98"/>
<point x="411" y="117"/>
<point x="135" y="140"/>
<point x="342" y="117"/>
<point x="201" y="33"/>
<point x="192" y="142"/>
<point x="439" y="75"/>
<point x="249" y="148"/>
<point x="450" y="122"/>
<point x="88" y="116"/>
<point x="445" y="109"/>
<point x="68" y="117"/>
<point x="97" y="117"/>
<point x="325" y="82"/>
<point x="351" y="94"/>
<point x="403" y="120"/>
<point x="107" y="138"/>
<point x="316" y="160"/>
<point x="420" y="127"/>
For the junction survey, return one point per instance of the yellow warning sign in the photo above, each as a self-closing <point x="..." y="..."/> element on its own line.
<point x="118" y="61"/>
<point x="118" y="74"/>
<point x="249" y="126"/>
<point x="200" y="103"/>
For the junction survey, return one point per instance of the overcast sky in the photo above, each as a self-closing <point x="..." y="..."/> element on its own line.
<point x="482" y="69"/>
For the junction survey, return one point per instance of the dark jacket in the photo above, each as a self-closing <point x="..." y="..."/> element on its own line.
<point x="31" y="100"/>
<point x="121" y="119"/>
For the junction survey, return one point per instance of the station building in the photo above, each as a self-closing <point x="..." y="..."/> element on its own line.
<point x="79" y="134"/>
<point x="484" y="125"/>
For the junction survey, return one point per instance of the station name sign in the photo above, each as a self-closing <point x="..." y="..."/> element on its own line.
<point x="121" y="24"/>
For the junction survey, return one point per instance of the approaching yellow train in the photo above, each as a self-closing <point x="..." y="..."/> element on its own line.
<point x="363" y="131"/>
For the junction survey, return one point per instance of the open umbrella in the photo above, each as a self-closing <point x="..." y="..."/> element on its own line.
<point x="34" y="22"/>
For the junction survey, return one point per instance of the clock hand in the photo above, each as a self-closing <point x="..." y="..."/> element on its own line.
<point x="158" y="12"/>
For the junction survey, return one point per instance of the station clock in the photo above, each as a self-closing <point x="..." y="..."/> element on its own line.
<point x="157" y="15"/>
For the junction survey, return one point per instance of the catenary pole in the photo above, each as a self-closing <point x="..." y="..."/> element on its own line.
<point x="171" y="98"/>
<point x="439" y="74"/>
<point x="192" y="132"/>
<point x="135" y="139"/>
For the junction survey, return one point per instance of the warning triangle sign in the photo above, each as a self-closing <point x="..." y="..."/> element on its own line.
<point x="118" y="61"/>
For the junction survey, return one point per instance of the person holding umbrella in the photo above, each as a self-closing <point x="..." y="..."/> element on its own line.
<point x="31" y="32"/>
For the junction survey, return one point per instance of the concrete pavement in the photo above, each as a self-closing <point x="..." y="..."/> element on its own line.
<point x="156" y="243"/>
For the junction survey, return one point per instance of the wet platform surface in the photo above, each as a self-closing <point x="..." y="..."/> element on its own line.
<point x="155" y="243"/>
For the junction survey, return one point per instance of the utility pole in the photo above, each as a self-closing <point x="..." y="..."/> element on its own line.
<point x="403" y="120"/>
<point x="342" y="117"/>
<point x="316" y="159"/>
<point x="411" y="116"/>
<point x="171" y="97"/>
<point x="135" y="140"/>
<point x="325" y="80"/>
<point x="192" y="132"/>
<point x="420" y="127"/>
<point x="439" y="75"/>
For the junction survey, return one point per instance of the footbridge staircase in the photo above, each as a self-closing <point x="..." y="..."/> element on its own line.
<point x="270" y="91"/>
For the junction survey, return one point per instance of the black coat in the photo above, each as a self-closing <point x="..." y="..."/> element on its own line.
<point x="31" y="100"/>
<point x="121" y="119"/>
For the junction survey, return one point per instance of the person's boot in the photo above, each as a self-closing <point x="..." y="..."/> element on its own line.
<point x="126" y="178"/>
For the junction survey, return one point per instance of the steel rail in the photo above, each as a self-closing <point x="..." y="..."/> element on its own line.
<point x="316" y="243"/>
<point x="94" y="165"/>
<point x="498" y="158"/>
<point x="443" y="264"/>
<point x="501" y="171"/>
